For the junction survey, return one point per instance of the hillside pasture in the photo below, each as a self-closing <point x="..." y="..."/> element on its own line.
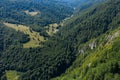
<point x="35" y="37"/>
<point x="12" y="75"/>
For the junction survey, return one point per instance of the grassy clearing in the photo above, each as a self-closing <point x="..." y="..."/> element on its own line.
<point x="52" y="29"/>
<point x="31" y="13"/>
<point x="12" y="75"/>
<point x="35" y="37"/>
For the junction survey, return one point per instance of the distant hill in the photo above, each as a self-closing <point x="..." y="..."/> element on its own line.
<point x="14" y="11"/>
<point x="86" y="47"/>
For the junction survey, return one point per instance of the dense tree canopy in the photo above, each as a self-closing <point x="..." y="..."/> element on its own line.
<point x="62" y="50"/>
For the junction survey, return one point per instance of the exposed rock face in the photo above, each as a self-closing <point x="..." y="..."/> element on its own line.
<point x="84" y="48"/>
<point x="93" y="45"/>
<point x="113" y="36"/>
<point x="82" y="51"/>
<point x="89" y="64"/>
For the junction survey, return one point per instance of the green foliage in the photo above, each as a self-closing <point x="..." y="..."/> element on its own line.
<point x="61" y="50"/>
<point x="24" y="38"/>
<point x="11" y="37"/>
<point x="103" y="63"/>
<point x="14" y="12"/>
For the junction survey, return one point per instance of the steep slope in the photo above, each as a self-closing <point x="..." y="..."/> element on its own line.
<point x="99" y="59"/>
<point x="59" y="52"/>
<point x="92" y="22"/>
<point x="34" y="37"/>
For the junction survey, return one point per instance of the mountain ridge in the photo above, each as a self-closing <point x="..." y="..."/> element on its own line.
<point x="86" y="44"/>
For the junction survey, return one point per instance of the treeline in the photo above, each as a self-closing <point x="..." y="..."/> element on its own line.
<point x="100" y="63"/>
<point x="48" y="12"/>
<point x="103" y="62"/>
<point x="60" y="50"/>
<point x="92" y="22"/>
<point x="35" y="63"/>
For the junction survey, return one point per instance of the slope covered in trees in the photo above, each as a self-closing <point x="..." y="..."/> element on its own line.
<point x="34" y="13"/>
<point x="66" y="48"/>
<point x="98" y="59"/>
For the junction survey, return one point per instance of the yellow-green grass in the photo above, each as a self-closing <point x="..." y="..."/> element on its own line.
<point x="35" y="37"/>
<point x="12" y="75"/>
<point x="32" y="13"/>
<point x="52" y="29"/>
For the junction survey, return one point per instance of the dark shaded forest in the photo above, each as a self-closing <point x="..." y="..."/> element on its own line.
<point x="61" y="50"/>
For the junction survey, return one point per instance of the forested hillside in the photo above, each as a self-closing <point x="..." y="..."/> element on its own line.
<point x="86" y="47"/>
<point x="97" y="58"/>
<point x="34" y="13"/>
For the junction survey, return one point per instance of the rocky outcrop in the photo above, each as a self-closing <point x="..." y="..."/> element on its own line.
<point x="92" y="45"/>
